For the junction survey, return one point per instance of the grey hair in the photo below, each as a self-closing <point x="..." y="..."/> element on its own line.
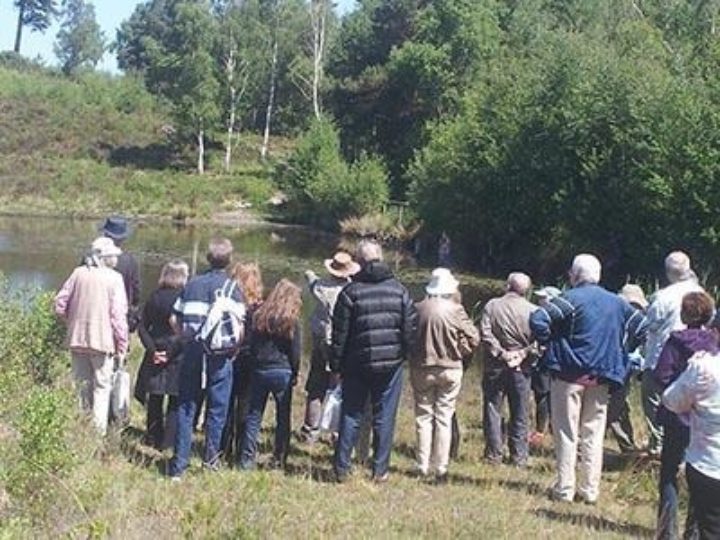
<point x="368" y="251"/>
<point x="677" y="266"/>
<point x="585" y="268"/>
<point x="519" y="283"/>
<point x="219" y="252"/>
<point x="174" y="274"/>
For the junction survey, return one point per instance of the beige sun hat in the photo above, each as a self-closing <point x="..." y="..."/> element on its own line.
<point x="442" y="283"/>
<point x="105" y="247"/>
<point x="342" y="265"/>
<point x="634" y="295"/>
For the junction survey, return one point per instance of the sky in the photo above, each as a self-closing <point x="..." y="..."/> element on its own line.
<point x="110" y="13"/>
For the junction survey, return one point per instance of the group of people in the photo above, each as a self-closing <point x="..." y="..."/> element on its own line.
<point x="577" y="351"/>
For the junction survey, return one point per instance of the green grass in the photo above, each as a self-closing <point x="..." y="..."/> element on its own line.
<point x="121" y="493"/>
<point x="98" y="144"/>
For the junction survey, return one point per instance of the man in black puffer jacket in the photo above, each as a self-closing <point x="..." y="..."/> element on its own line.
<point x="374" y="325"/>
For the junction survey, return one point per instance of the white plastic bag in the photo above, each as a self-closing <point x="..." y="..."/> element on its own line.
<point x="330" y="418"/>
<point x="120" y="396"/>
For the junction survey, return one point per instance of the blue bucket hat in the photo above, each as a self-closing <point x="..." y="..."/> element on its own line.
<point x="116" y="227"/>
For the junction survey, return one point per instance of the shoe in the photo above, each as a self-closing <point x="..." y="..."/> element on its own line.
<point x="441" y="479"/>
<point x="341" y="476"/>
<point x="175" y="479"/>
<point x="381" y="478"/>
<point x="212" y="466"/>
<point x="581" y="499"/>
<point x="519" y="463"/>
<point x="557" y="497"/>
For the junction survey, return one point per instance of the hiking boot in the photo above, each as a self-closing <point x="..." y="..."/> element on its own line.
<point x="381" y="478"/>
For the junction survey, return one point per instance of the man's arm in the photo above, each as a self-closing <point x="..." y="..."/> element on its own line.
<point x="468" y="328"/>
<point x="680" y="396"/>
<point x="118" y="314"/>
<point x="342" y="313"/>
<point x="545" y="320"/>
<point x="410" y="322"/>
<point x="62" y="298"/>
<point x="487" y="336"/>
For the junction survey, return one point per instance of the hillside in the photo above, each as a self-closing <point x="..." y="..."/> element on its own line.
<point x="99" y="144"/>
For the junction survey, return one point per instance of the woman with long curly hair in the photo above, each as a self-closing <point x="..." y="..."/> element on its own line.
<point x="249" y="279"/>
<point x="274" y="354"/>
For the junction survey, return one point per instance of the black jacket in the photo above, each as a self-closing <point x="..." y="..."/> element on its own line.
<point x="157" y="335"/>
<point x="271" y="352"/>
<point x="374" y="322"/>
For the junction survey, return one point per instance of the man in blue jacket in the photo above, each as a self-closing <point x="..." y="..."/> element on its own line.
<point x="586" y="330"/>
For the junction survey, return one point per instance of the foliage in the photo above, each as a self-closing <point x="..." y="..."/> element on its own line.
<point x="36" y="14"/>
<point x="80" y="42"/>
<point x="322" y="187"/>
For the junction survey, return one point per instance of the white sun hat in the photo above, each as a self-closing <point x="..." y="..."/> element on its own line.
<point x="105" y="247"/>
<point x="442" y="283"/>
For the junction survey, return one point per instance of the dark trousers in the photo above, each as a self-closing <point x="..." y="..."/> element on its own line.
<point x="705" y="499"/>
<point x="161" y="421"/>
<point x="384" y="389"/>
<point x="232" y="436"/>
<point x="540" y="384"/>
<point x="219" y="376"/>
<point x="264" y="382"/>
<point x="675" y="442"/>
<point x="618" y="418"/>
<point x="498" y="383"/>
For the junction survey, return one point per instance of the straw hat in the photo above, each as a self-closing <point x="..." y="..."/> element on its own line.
<point x="105" y="247"/>
<point x="634" y="295"/>
<point x="342" y="265"/>
<point x="442" y="283"/>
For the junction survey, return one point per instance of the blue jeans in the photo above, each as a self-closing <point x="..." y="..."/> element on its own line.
<point x="264" y="382"/>
<point x="675" y="441"/>
<point x="219" y="378"/>
<point x="384" y="390"/>
<point x="516" y="385"/>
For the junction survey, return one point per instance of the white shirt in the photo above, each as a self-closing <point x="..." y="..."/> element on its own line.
<point x="663" y="317"/>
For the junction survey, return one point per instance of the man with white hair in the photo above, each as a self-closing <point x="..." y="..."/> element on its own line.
<point x="663" y="317"/>
<point x="585" y="330"/>
<point x="510" y="351"/>
<point x="373" y="331"/>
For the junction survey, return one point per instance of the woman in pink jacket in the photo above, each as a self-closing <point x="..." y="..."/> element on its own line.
<point x="93" y="304"/>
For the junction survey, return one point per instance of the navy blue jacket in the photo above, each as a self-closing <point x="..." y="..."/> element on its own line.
<point x="588" y="331"/>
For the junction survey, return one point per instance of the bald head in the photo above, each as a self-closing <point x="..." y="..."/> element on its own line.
<point x="368" y="251"/>
<point x="519" y="283"/>
<point x="585" y="268"/>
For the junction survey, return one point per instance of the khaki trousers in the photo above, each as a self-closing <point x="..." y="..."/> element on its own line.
<point x="578" y="420"/>
<point x="435" y="390"/>
<point x="92" y="372"/>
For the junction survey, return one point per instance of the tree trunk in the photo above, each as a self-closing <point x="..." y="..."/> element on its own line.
<point x="18" y="33"/>
<point x="271" y="100"/>
<point x="230" y="70"/>
<point x="318" y="17"/>
<point x="201" y="152"/>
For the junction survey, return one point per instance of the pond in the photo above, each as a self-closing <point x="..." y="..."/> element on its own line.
<point x="41" y="252"/>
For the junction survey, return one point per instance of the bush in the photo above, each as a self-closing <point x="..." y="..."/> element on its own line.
<point x="322" y="187"/>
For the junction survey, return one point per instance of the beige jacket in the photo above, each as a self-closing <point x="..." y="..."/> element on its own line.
<point x="94" y="304"/>
<point x="445" y="334"/>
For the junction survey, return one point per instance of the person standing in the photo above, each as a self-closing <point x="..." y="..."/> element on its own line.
<point x="696" y="394"/>
<point x="586" y="330"/>
<point x="159" y="371"/>
<point x="445" y="336"/>
<point x="540" y="381"/>
<point x="663" y="317"/>
<point x="618" y="414"/>
<point x="118" y="230"/>
<point x="696" y="312"/>
<point x="325" y="292"/>
<point x="510" y="351"/>
<point x="275" y="348"/>
<point x="93" y="304"/>
<point x="215" y="371"/>
<point x="374" y="325"/>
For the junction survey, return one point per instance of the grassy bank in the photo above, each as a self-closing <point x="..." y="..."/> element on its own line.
<point x="58" y="479"/>
<point x="97" y="144"/>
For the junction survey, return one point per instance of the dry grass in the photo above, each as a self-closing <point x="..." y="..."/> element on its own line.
<point x="122" y="494"/>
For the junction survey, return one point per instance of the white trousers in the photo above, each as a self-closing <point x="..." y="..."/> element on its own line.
<point x="578" y="422"/>
<point x="92" y="372"/>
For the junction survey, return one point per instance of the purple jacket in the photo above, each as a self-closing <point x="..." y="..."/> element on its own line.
<point x="678" y="349"/>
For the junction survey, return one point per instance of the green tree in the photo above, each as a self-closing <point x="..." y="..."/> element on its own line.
<point x="36" y="14"/>
<point x="181" y="68"/>
<point x="80" y="42"/>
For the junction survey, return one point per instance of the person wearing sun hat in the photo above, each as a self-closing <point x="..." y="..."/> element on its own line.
<point x="325" y="291"/>
<point x="118" y="229"/>
<point x="445" y="336"/>
<point x="93" y="304"/>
